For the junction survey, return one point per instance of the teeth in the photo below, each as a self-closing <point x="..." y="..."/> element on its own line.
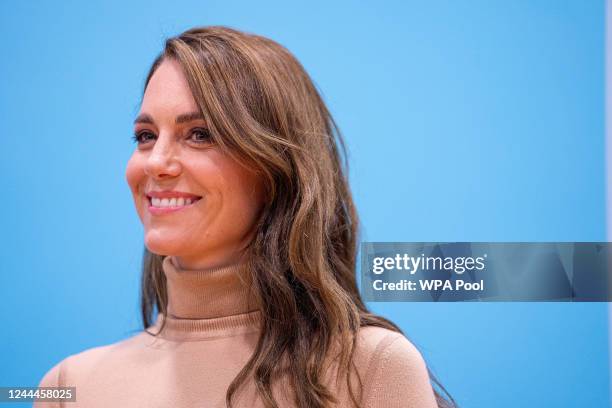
<point x="171" y="202"/>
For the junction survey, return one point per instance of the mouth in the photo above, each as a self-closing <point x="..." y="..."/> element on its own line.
<point x="157" y="205"/>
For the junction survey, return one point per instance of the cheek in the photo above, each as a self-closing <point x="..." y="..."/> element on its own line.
<point x="134" y="174"/>
<point x="234" y="193"/>
<point x="245" y="199"/>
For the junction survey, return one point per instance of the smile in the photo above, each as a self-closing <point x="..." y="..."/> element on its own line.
<point x="170" y="204"/>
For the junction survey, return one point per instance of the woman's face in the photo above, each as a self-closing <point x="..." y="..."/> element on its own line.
<point x="195" y="202"/>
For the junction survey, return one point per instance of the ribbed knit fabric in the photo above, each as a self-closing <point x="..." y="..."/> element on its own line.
<point x="210" y="332"/>
<point x="208" y="302"/>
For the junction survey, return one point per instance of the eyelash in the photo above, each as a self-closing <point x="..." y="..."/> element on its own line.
<point x="137" y="136"/>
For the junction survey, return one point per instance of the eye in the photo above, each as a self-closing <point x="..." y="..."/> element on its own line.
<point x="142" y="137"/>
<point x="200" y="136"/>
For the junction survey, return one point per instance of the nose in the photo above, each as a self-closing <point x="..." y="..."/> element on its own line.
<point x="162" y="161"/>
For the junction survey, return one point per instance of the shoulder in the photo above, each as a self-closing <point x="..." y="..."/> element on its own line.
<point x="378" y="343"/>
<point x="395" y="373"/>
<point x="73" y="366"/>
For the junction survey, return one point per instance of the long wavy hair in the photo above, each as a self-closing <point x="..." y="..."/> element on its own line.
<point x="262" y="108"/>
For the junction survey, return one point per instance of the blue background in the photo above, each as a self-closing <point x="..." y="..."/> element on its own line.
<point x="473" y="120"/>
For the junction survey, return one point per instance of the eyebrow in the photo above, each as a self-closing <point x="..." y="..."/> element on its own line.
<point x="182" y="118"/>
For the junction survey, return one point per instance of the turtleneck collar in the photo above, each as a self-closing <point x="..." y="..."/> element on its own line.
<point x="208" y="301"/>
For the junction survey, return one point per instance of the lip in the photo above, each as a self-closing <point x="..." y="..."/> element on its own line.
<point x="169" y="194"/>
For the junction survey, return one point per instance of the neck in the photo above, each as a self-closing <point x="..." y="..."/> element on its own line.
<point x="214" y="260"/>
<point x="207" y="293"/>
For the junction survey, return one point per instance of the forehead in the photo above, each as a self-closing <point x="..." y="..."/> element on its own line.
<point x="168" y="89"/>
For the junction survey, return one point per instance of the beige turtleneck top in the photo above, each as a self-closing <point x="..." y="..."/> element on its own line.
<point x="211" y="331"/>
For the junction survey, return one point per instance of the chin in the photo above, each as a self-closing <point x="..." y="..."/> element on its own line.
<point x="163" y="245"/>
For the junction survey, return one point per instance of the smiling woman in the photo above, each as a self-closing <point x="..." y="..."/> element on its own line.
<point x="251" y="238"/>
<point x="176" y="158"/>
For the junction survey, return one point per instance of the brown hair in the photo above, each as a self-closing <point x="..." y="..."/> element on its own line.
<point x="262" y="107"/>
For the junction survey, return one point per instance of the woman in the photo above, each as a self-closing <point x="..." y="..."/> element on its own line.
<point x="251" y="237"/>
